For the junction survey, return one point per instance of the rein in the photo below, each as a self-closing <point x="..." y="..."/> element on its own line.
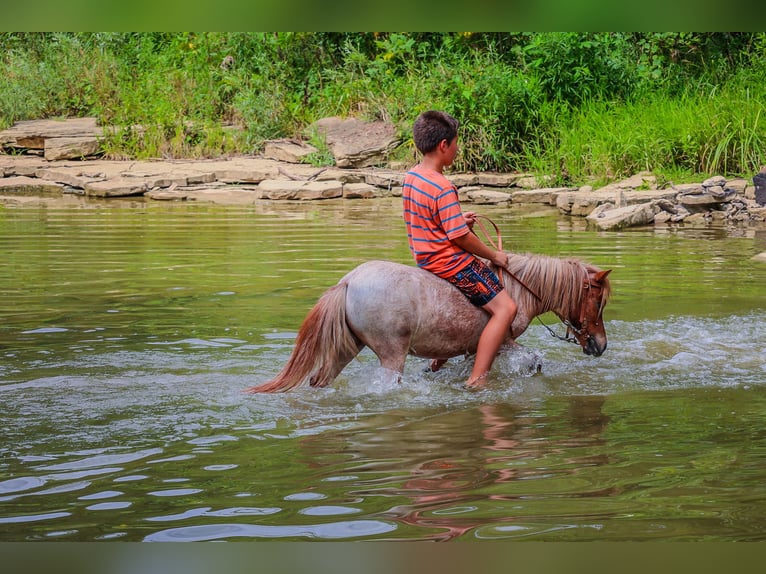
<point x="499" y="247"/>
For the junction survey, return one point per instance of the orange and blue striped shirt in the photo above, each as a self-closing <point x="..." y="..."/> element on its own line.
<point x="434" y="218"/>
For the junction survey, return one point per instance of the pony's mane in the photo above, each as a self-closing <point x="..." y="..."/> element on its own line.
<point x="559" y="282"/>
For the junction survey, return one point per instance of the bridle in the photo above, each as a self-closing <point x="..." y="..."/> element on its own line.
<point x="581" y="331"/>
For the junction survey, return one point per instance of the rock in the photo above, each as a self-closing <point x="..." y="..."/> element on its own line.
<point x="619" y="218"/>
<point x="497" y="179"/>
<point x="480" y="195"/>
<point x="117" y="187"/>
<point x="290" y="189"/>
<point x="71" y="147"/>
<point x="342" y="175"/>
<point x="546" y="195"/>
<point x="715" y="181"/>
<point x="321" y="190"/>
<point x="360" y="191"/>
<point x="355" y="143"/>
<point x="32" y="134"/>
<point x="167" y="195"/>
<point x="527" y="181"/>
<point x="737" y="185"/>
<point x="702" y="201"/>
<point x="463" y="179"/>
<point x="64" y="175"/>
<point x="290" y="151"/>
<point x="384" y="178"/>
<point x="689" y="188"/>
<point x="22" y="184"/>
<point x="760" y="257"/>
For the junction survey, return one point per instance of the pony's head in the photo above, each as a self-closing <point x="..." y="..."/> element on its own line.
<point x="588" y="326"/>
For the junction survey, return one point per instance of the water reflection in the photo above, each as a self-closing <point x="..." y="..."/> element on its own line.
<point x="450" y="473"/>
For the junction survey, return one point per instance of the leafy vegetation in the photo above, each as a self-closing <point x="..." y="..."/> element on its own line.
<point x="578" y="106"/>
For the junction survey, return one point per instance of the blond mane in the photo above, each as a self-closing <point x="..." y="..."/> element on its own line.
<point x="559" y="282"/>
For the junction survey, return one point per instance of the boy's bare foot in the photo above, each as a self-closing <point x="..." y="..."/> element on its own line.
<point x="476" y="382"/>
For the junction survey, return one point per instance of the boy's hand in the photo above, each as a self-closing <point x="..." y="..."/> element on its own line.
<point x="470" y="218"/>
<point x="500" y="259"/>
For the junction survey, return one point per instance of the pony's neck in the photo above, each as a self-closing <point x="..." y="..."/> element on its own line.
<point x="548" y="283"/>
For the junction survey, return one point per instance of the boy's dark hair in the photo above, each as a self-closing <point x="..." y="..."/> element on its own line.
<point x="431" y="127"/>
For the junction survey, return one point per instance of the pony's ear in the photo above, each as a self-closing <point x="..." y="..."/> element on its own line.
<point x="601" y="275"/>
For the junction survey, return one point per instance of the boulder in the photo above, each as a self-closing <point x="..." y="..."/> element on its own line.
<point x="355" y="143"/>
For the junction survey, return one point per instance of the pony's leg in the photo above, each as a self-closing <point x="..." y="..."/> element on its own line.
<point x="436" y="364"/>
<point x="326" y="375"/>
<point x="392" y="355"/>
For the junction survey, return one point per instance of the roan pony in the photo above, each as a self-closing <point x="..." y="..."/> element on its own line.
<point x="398" y="310"/>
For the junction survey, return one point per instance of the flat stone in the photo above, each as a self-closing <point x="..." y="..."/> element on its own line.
<point x="702" y="201"/>
<point x="715" y="181"/>
<point x="290" y="151"/>
<point x="280" y="189"/>
<point x="344" y="176"/>
<point x="463" y="179"/>
<point x="33" y="133"/>
<point x="492" y="179"/>
<point x="66" y="175"/>
<point x="546" y="195"/>
<point x="320" y="190"/>
<point x="71" y="147"/>
<point x="760" y="257"/>
<point x="167" y="195"/>
<point x="22" y="184"/>
<point x="117" y="187"/>
<point x="242" y="175"/>
<point x="360" y="191"/>
<point x="619" y="218"/>
<point x="21" y="165"/>
<point x="484" y="196"/>
<point x="384" y="179"/>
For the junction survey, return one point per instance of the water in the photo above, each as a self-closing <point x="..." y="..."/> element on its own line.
<point x="129" y="331"/>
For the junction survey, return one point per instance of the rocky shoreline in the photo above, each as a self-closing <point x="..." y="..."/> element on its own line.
<point x="41" y="167"/>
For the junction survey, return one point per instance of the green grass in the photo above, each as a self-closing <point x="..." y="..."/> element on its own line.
<point x="580" y="107"/>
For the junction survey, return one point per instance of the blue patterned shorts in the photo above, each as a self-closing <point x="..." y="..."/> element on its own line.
<point x="477" y="282"/>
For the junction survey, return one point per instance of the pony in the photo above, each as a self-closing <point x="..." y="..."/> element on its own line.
<point x="398" y="310"/>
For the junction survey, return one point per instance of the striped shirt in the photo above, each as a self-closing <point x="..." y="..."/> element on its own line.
<point x="433" y="217"/>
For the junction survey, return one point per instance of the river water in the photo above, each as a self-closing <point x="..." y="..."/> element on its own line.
<point x="130" y="329"/>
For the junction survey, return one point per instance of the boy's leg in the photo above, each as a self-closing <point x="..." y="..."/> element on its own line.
<point x="502" y="310"/>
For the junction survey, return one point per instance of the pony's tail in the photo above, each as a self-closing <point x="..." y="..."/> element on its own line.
<point x="323" y="339"/>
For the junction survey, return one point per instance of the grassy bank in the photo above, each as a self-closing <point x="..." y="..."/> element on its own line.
<point x="583" y="107"/>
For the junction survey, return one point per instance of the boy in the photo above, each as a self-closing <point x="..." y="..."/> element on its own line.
<point x="442" y="241"/>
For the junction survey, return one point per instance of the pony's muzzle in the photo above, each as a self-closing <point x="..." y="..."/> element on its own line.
<point x="593" y="348"/>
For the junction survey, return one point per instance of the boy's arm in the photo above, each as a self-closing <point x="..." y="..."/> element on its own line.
<point x="471" y="243"/>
